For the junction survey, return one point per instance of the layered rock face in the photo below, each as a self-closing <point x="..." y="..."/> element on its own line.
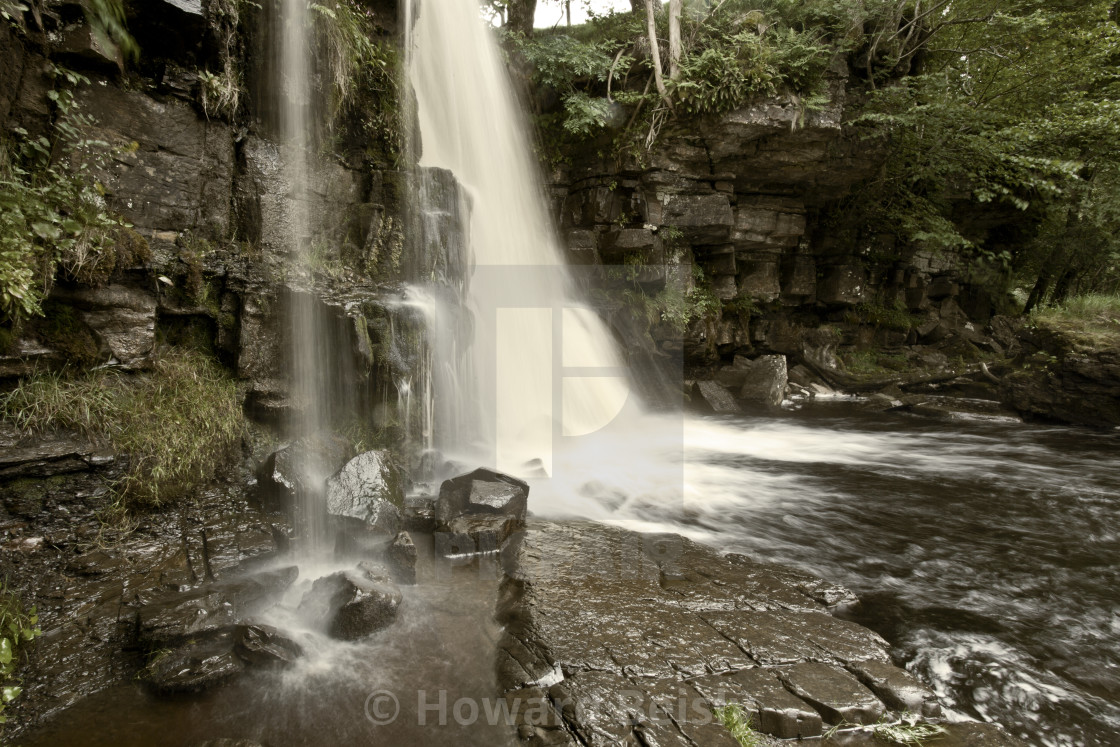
<point x="742" y="205"/>
<point x="207" y="193"/>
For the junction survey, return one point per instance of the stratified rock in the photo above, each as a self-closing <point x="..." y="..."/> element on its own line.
<point x="897" y="688"/>
<point x="773" y="709"/>
<point x="402" y="558"/>
<point x="123" y="318"/>
<point x="836" y="695"/>
<point x="716" y="397"/>
<point x="357" y="602"/>
<point x="200" y="613"/>
<point x="368" y="490"/>
<point x="264" y="646"/>
<point x="766" y="381"/>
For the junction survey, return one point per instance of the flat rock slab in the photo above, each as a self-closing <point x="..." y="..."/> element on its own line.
<point x="639" y="639"/>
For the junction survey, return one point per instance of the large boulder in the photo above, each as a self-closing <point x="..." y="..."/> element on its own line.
<point x="484" y="506"/>
<point x="482" y="492"/>
<point x="367" y="493"/>
<point x="356" y="602"/>
<point x="766" y="381"/>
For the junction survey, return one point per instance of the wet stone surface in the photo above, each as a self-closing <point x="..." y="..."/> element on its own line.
<point x="636" y="639"/>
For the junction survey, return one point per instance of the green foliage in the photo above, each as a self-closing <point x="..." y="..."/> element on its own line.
<point x="738" y="722"/>
<point x="364" y="73"/>
<point x="18" y="627"/>
<point x="110" y="27"/>
<point x="178" y="424"/>
<point x="1010" y="105"/>
<point x="52" y="212"/>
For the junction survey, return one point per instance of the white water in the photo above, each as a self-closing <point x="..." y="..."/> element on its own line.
<point x="511" y="382"/>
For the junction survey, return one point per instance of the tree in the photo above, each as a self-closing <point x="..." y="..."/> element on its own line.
<point x="655" y="54"/>
<point x="674" y="39"/>
<point x="520" y="15"/>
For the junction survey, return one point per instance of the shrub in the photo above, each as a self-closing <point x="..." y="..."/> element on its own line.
<point x="52" y="211"/>
<point x="178" y="424"/>
<point x="18" y="627"/>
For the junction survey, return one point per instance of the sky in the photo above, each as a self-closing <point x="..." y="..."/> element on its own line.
<point x="551" y="12"/>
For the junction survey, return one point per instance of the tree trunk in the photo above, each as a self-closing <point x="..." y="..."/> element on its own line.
<point x="655" y="54"/>
<point x="674" y="39"/>
<point x="520" y="16"/>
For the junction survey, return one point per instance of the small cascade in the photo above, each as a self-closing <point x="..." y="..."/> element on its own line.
<point x="532" y="366"/>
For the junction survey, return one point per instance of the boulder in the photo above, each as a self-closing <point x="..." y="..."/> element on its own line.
<point x="356" y="602"/>
<point x="264" y="646"/>
<point x="713" y="396"/>
<point x="482" y="508"/>
<point x="367" y="491"/>
<point x="482" y="492"/>
<point x="402" y="558"/>
<point x="201" y="613"/>
<point x="302" y="465"/>
<point x="766" y="381"/>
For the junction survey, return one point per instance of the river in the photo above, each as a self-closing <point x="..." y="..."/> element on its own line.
<point x="986" y="551"/>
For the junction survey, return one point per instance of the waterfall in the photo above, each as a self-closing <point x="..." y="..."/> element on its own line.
<point x="539" y="368"/>
<point x="309" y="339"/>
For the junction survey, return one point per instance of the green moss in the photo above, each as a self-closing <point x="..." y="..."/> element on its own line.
<point x="7" y="340"/>
<point x="895" y="316"/>
<point x="62" y="329"/>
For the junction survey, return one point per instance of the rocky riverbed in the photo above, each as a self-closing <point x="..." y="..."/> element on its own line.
<point x="607" y="636"/>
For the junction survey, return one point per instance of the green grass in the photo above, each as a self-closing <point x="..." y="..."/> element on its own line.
<point x="178" y="424"/>
<point x="1092" y="320"/>
<point x="738" y="722"/>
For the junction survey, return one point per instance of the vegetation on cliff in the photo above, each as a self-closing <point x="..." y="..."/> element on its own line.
<point x="1001" y="119"/>
<point x="178" y="424"/>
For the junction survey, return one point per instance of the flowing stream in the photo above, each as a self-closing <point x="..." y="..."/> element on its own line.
<point x="985" y="552"/>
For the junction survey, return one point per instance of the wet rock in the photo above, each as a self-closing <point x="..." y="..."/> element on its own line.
<point x="774" y="710"/>
<point x="483" y="507"/>
<point x="766" y="381"/>
<point x="897" y="688"/>
<point x="836" y="695"/>
<point x="701" y="219"/>
<point x="357" y="603"/>
<point x="778" y="637"/>
<point x="248" y="591"/>
<point x="199" y="613"/>
<point x="402" y="558"/>
<point x="264" y="646"/>
<point x="303" y="465"/>
<point x="482" y="492"/>
<point x="367" y="490"/>
<point x="713" y="397"/>
<point x="198" y="665"/>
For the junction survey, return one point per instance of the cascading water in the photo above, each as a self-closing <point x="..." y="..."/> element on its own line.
<point x="539" y="368"/>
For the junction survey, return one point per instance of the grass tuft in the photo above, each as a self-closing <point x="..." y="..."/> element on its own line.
<point x="909" y="732"/>
<point x="738" y="722"/>
<point x="178" y="424"/>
